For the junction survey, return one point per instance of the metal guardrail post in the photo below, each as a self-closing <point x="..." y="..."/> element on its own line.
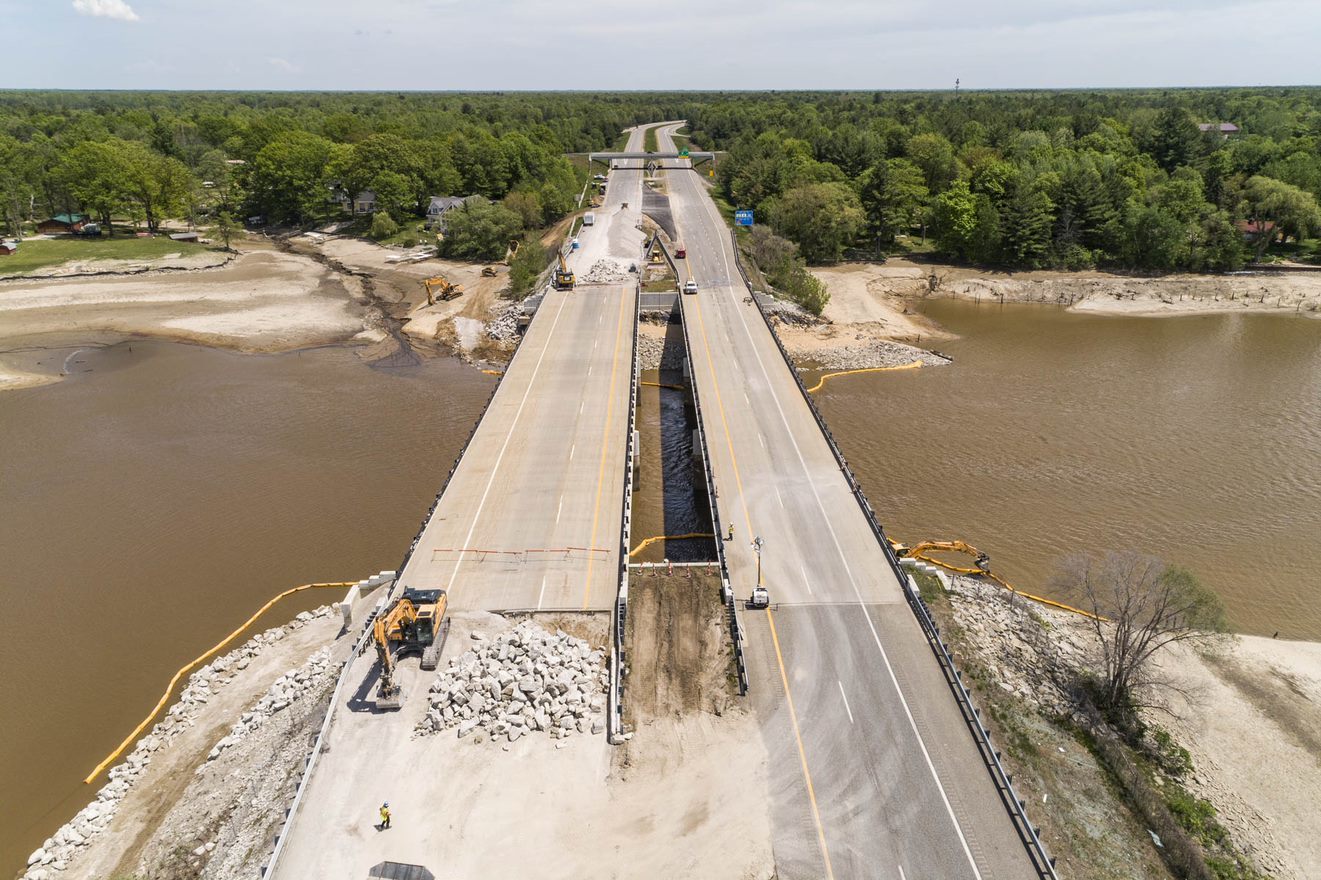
<point x="1027" y="833"/>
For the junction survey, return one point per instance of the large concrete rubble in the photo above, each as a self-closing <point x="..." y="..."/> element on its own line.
<point x="607" y="271"/>
<point x="53" y="856"/>
<point x="523" y="680"/>
<point x="287" y="688"/>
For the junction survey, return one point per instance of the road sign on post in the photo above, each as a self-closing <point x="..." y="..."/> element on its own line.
<point x="683" y="154"/>
<point x="743" y="217"/>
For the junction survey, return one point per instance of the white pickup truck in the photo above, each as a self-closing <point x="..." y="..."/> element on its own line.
<point x="589" y="219"/>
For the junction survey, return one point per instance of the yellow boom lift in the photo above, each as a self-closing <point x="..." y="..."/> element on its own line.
<point x="440" y="287"/>
<point x="415" y="623"/>
<point x="564" y="279"/>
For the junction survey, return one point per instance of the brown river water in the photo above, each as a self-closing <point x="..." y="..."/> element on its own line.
<point x="153" y="500"/>
<point x="1195" y="439"/>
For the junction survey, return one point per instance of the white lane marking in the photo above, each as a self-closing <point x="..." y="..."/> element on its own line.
<point x="807" y="582"/>
<point x="762" y="440"/>
<point x="495" y="469"/>
<point x="589" y="371"/>
<point x="843" y="695"/>
<point x="901" y="873"/>
<point x="779" y="497"/>
<point x="848" y="569"/>
<point x="542" y="595"/>
<point x="580" y="407"/>
<point x="558" y="509"/>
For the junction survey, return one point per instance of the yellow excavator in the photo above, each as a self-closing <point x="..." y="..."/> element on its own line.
<point x="414" y="623"/>
<point x="564" y="279"/>
<point x="440" y="287"/>
<point x="921" y="551"/>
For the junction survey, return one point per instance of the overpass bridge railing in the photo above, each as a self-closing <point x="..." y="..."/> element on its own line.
<point x="618" y="659"/>
<point x="1004" y="783"/>
<point x="726" y="590"/>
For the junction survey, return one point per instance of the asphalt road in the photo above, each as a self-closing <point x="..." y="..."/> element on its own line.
<point x="531" y="518"/>
<point x="873" y="772"/>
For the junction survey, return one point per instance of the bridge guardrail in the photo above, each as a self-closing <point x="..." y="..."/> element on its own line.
<point x="1027" y="833"/>
<point x="615" y="724"/>
<point x="360" y="645"/>
<point x="727" y="591"/>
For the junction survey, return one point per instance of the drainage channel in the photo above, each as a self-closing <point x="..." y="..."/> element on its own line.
<point x="669" y="495"/>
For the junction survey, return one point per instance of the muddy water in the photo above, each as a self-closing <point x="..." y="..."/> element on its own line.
<point x="1197" y="439"/>
<point x="153" y="500"/>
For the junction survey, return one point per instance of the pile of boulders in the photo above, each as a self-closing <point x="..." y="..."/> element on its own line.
<point x="606" y="272"/>
<point x="865" y="354"/>
<point x="504" y="328"/>
<point x="53" y="856"/>
<point x="1031" y="652"/>
<point x="286" y="689"/>
<point x="523" y="680"/>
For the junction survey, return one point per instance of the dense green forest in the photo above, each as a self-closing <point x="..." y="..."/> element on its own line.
<point x="1015" y="179"/>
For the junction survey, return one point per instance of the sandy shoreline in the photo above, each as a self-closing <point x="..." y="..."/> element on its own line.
<point x="261" y="301"/>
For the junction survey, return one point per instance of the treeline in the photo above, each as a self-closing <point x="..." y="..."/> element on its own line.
<point x="1027" y="179"/>
<point x="296" y="158"/>
<point x="1015" y="179"/>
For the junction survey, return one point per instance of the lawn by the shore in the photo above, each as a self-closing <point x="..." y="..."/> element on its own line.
<point x="42" y="253"/>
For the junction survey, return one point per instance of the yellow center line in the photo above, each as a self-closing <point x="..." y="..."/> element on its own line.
<point x="605" y="446"/>
<point x="779" y="658"/>
<point x="802" y="753"/>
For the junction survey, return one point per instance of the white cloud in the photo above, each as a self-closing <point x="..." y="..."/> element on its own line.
<point x="106" y="9"/>
<point x="282" y="64"/>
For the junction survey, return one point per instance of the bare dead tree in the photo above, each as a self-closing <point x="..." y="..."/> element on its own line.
<point x="1147" y="605"/>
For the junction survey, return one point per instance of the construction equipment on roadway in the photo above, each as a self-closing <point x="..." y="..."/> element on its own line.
<point x="980" y="559"/>
<point x="564" y="279"/>
<point x="442" y="286"/>
<point x="761" y="597"/>
<point x="488" y="271"/>
<point x="414" y="623"/>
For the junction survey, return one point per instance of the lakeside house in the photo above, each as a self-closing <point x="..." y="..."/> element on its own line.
<point x="363" y="203"/>
<point x="1224" y="129"/>
<point x="63" y="224"/>
<point x="442" y="205"/>
<point x="1251" y="229"/>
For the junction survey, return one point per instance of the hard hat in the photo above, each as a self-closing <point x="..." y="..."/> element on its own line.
<point x="386" y="804"/>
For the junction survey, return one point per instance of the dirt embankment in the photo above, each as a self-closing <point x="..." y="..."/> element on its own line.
<point x="1247" y="711"/>
<point x="477" y="325"/>
<point x="273" y="296"/>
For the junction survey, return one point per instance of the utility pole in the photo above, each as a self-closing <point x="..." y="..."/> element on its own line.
<point x="756" y="545"/>
<point x="956" y="86"/>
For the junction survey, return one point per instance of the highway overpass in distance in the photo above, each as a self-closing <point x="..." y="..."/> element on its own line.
<point x="873" y="771"/>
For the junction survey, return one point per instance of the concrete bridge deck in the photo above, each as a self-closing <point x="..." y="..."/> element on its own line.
<point x="873" y="773"/>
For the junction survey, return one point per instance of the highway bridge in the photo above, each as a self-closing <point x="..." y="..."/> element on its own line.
<point x="873" y="772"/>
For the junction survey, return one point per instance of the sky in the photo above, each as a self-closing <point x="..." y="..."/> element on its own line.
<point x="428" y="45"/>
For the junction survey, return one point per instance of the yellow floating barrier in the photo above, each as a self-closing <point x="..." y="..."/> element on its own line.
<point x="652" y="540"/>
<point x="822" y="381"/>
<point x="165" y="697"/>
